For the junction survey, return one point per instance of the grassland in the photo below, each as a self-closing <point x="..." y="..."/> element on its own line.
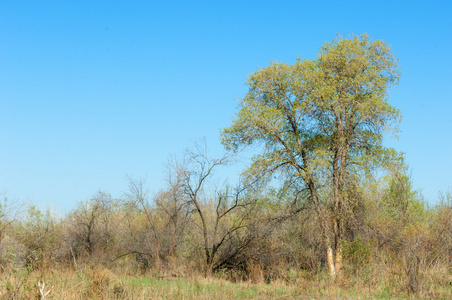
<point x="95" y="283"/>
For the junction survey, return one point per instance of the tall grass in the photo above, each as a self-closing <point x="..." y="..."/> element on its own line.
<point x="92" y="282"/>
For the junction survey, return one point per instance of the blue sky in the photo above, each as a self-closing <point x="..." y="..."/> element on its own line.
<point x="94" y="91"/>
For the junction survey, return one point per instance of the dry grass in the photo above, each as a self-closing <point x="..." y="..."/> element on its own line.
<point x="97" y="283"/>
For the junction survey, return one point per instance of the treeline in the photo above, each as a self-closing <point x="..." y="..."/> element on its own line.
<point x="244" y="232"/>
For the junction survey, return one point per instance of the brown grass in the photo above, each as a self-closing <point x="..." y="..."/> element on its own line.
<point x="91" y="282"/>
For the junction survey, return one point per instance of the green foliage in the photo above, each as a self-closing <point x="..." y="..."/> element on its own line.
<point x="321" y="122"/>
<point x="40" y="235"/>
<point x="356" y="253"/>
<point x="401" y="202"/>
<point x="319" y="114"/>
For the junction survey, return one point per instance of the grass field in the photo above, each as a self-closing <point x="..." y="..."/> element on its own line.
<point x="96" y="283"/>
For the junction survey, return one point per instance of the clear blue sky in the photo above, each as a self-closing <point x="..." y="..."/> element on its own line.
<point x="94" y="91"/>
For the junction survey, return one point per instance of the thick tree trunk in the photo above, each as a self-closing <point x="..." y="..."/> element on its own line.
<point x="339" y="169"/>
<point x="330" y="259"/>
<point x="325" y="231"/>
<point x="334" y="259"/>
<point x="338" y="231"/>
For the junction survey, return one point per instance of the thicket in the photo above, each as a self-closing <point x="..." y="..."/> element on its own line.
<point x="395" y="241"/>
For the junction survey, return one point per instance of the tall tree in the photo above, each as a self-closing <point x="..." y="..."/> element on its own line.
<point x="321" y="122"/>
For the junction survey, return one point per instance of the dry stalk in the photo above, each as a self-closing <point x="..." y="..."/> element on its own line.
<point x="41" y="289"/>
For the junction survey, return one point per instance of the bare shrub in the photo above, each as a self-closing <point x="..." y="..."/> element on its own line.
<point x="89" y="228"/>
<point x="228" y="222"/>
<point x="12" y="252"/>
<point x="154" y="227"/>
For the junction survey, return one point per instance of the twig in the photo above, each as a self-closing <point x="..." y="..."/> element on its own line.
<point x="41" y="289"/>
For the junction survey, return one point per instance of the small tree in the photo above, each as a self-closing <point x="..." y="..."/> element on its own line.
<point x="154" y="226"/>
<point x="226" y="218"/>
<point x="89" y="226"/>
<point x="8" y="212"/>
<point x="40" y="233"/>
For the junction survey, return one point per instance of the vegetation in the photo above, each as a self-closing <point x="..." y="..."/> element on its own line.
<point x="340" y="221"/>
<point x="321" y="122"/>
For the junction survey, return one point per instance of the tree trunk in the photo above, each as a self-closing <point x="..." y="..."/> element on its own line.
<point x="339" y="257"/>
<point x="329" y="256"/>
<point x="325" y="231"/>
<point x="338" y="230"/>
